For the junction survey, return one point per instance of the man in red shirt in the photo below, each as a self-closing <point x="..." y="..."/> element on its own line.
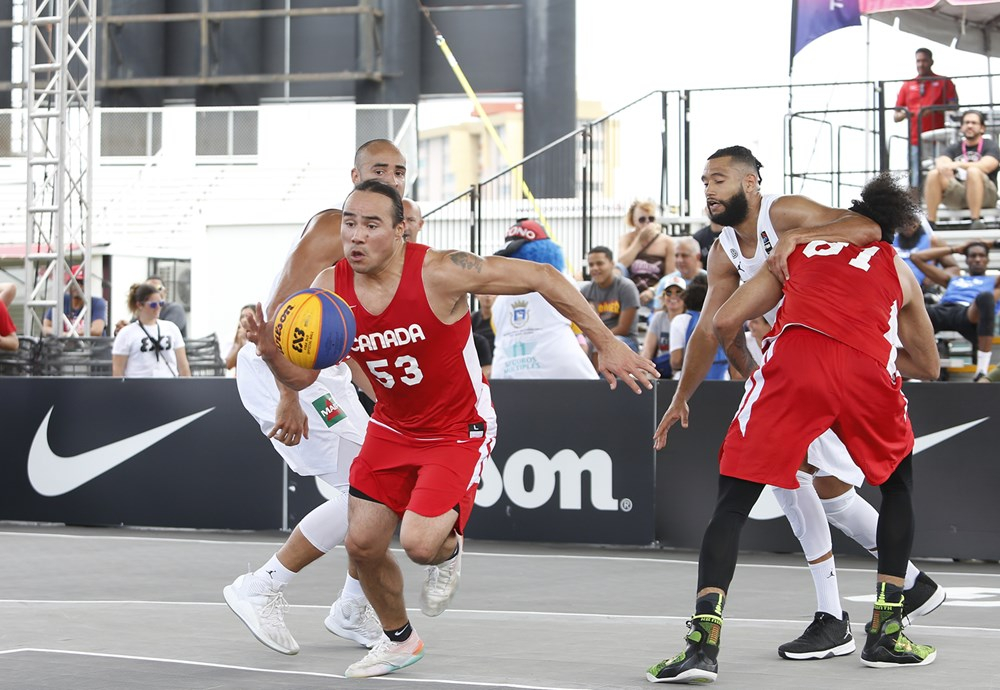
<point x="433" y="426"/>
<point x="925" y="91"/>
<point x="8" y="332"/>
<point x="830" y="363"/>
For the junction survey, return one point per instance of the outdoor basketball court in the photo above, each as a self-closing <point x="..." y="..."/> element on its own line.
<point x="101" y="608"/>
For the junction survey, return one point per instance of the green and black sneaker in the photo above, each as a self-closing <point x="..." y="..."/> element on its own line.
<point x="698" y="662"/>
<point x="886" y="645"/>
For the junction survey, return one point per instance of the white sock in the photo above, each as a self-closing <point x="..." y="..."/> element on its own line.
<point x="352" y="589"/>
<point x="824" y="576"/>
<point x="274" y="571"/>
<point x="983" y="362"/>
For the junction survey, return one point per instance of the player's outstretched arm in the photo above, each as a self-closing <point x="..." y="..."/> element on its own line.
<point x="700" y="350"/>
<point x="755" y="298"/>
<point x="259" y="333"/>
<point x="800" y="220"/>
<point x="452" y="275"/>
<point x="320" y="247"/>
<point x="918" y="358"/>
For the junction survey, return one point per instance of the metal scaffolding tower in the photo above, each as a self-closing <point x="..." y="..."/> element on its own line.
<point x="59" y="46"/>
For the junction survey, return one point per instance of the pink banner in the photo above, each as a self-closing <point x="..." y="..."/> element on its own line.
<point x="872" y="6"/>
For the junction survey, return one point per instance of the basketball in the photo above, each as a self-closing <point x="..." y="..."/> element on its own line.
<point x="314" y="329"/>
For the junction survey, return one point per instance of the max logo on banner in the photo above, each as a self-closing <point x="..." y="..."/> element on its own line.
<point x="566" y="466"/>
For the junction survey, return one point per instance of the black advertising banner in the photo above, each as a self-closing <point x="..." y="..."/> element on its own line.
<point x="160" y="453"/>
<point x="573" y="463"/>
<point x="955" y="474"/>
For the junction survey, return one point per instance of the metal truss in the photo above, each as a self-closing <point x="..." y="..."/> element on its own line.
<point x="59" y="46"/>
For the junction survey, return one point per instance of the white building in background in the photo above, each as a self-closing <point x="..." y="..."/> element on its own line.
<point x="210" y="199"/>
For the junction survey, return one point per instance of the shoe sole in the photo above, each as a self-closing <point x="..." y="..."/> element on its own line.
<point x="929" y="606"/>
<point x="240" y="609"/>
<point x="841" y="650"/>
<point x="353" y="636"/>
<point x="412" y="660"/>
<point x="691" y="677"/>
<point x="891" y="664"/>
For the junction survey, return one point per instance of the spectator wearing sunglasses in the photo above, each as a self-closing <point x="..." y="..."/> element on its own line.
<point x="170" y="311"/>
<point x="149" y="347"/>
<point x="645" y="253"/>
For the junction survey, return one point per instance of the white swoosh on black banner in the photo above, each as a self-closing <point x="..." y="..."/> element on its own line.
<point x="54" y="475"/>
<point x="767" y="507"/>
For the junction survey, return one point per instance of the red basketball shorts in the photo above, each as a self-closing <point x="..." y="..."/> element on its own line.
<point x="427" y="477"/>
<point x="810" y="383"/>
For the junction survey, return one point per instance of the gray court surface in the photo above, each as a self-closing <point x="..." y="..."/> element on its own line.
<point x="103" y="608"/>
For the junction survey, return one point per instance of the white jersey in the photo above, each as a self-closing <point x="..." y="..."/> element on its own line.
<point x="827" y="452"/>
<point x="534" y="341"/>
<point x="151" y="349"/>
<point x="767" y="238"/>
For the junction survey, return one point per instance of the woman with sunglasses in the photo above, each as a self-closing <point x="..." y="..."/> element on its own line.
<point x="645" y="253"/>
<point x="149" y="347"/>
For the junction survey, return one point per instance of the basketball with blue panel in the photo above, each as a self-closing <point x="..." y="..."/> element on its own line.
<point x="314" y="328"/>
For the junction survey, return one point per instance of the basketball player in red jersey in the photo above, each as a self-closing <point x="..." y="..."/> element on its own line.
<point x="323" y="447"/>
<point x="433" y="426"/>
<point x="757" y="229"/>
<point x="830" y="362"/>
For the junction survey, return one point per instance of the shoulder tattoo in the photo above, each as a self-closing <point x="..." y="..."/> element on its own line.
<point x="469" y="262"/>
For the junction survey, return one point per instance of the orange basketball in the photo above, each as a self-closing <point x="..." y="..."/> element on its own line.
<point x="314" y="329"/>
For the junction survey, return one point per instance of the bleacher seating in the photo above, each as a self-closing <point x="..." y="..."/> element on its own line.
<point x="22" y="361"/>
<point x="205" y="356"/>
<point x="51" y="356"/>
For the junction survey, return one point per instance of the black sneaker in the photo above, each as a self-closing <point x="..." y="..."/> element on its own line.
<point x="825" y="637"/>
<point x="923" y="597"/>
<point x="888" y="647"/>
<point x="697" y="663"/>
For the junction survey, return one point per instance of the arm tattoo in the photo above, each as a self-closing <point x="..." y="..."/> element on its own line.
<point x="468" y="261"/>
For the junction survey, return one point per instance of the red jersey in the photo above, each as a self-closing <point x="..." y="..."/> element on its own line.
<point x="426" y="373"/>
<point x="6" y="323"/>
<point x="849" y="293"/>
<point x="924" y="92"/>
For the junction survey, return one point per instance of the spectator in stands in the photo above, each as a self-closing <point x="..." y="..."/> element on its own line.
<point x="966" y="175"/>
<point x="149" y="347"/>
<point x="656" y="346"/>
<point x="240" y="339"/>
<point x="683" y="325"/>
<point x="413" y="218"/>
<point x="482" y="332"/>
<point x="533" y="340"/>
<point x="705" y="237"/>
<point x="969" y="302"/>
<point x="73" y="309"/>
<point x="171" y="311"/>
<point x="916" y="100"/>
<point x="645" y="253"/>
<point x="915" y="238"/>
<point x="687" y="258"/>
<point x="8" y="332"/>
<point x="615" y="299"/>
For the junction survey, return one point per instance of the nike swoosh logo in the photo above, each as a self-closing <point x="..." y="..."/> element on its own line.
<point x="54" y="475"/>
<point x="767" y="507"/>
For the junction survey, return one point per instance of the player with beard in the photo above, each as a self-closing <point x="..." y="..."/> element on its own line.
<point x="761" y="228"/>
<point x="830" y="361"/>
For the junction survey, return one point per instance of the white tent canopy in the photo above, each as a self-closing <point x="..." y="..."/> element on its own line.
<point x="970" y="25"/>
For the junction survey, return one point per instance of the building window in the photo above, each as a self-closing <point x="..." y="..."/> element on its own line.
<point x="131" y="133"/>
<point x="226" y="133"/>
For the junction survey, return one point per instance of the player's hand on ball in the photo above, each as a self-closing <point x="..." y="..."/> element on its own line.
<point x="256" y="329"/>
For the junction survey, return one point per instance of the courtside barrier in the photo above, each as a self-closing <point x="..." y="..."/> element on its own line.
<point x="573" y="463"/>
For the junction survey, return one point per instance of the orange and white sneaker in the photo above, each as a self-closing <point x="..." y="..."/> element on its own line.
<point x="387" y="657"/>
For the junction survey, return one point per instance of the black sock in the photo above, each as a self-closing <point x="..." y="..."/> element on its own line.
<point x="400" y="634"/>
<point x="710" y="604"/>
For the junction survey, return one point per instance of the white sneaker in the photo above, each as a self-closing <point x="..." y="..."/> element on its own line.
<point x="354" y="619"/>
<point x="262" y="608"/>
<point x="387" y="656"/>
<point x="441" y="584"/>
